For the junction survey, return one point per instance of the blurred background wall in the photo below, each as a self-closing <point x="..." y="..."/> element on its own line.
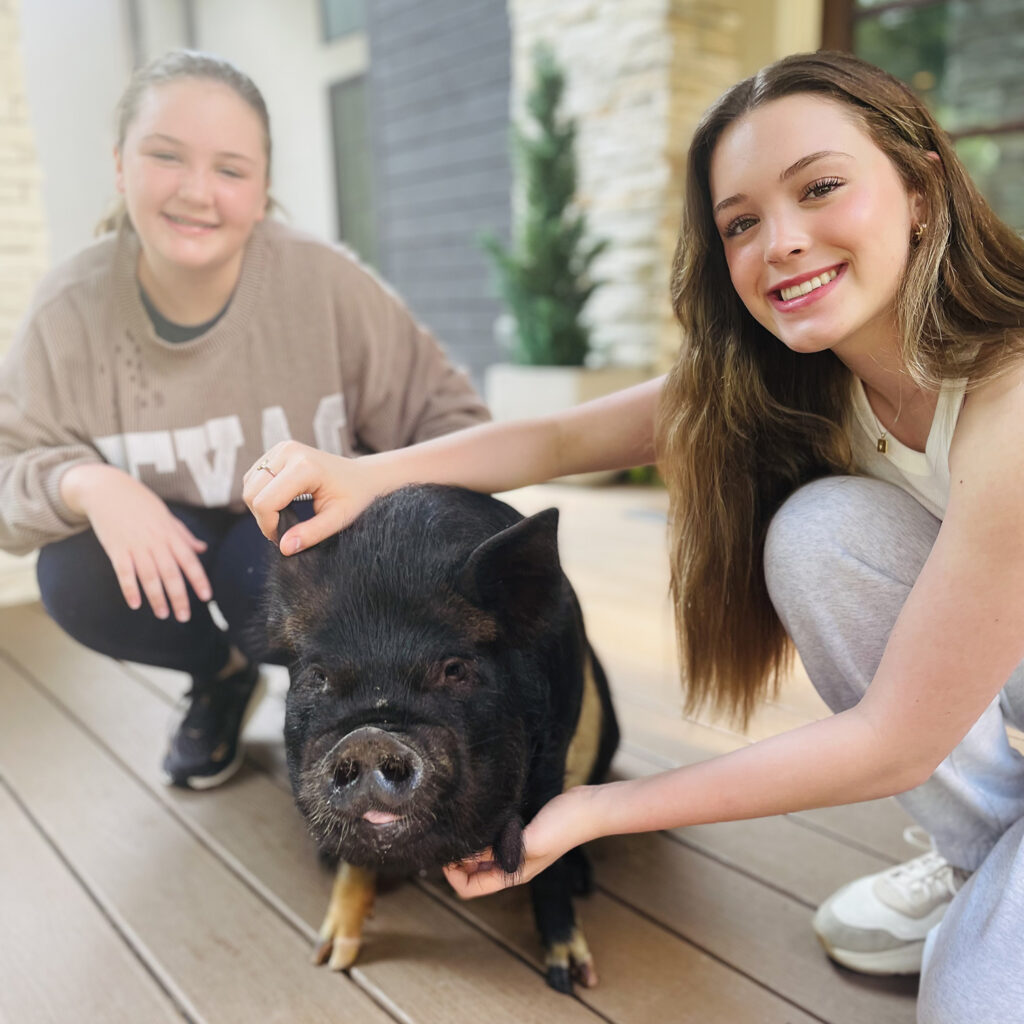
<point x="391" y="124"/>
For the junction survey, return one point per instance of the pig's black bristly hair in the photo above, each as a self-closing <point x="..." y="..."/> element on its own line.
<point x="508" y="847"/>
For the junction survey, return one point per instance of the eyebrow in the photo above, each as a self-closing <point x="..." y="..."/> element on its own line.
<point x="177" y="142"/>
<point x="788" y="173"/>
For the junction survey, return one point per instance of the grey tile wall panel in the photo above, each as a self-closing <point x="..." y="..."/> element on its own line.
<point x="439" y="83"/>
<point x="455" y="49"/>
<point x="445" y="79"/>
<point x="472" y="113"/>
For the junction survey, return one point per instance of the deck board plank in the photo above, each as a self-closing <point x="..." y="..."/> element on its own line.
<point x="647" y="973"/>
<point x="60" y="957"/>
<point x="740" y="921"/>
<point x="252" y="824"/>
<point x="420" y="958"/>
<point x="185" y="914"/>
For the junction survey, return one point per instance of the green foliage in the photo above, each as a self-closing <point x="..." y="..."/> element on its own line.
<point x="911" y="43"/>
<point x="644" y="476"/>
<point x="544" y="277"/>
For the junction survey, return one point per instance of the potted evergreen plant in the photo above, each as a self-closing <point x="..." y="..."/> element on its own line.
<point x="544" y="278"/>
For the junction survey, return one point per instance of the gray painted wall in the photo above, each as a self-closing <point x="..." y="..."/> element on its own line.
<point x="439" y="77"/>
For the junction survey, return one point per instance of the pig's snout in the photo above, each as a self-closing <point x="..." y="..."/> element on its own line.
<point x="373" y="766"/>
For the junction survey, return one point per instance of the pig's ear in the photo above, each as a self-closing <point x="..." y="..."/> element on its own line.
<point x="516" y="574"/>
<point x="286" y="519"/>
<point x="285" y="579"/>
<point x="295" y="592"/>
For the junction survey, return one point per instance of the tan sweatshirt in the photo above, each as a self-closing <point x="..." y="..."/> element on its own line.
<point x="312" y="347"/>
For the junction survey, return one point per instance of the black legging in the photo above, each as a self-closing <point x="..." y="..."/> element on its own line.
<point x="82" y="595"/>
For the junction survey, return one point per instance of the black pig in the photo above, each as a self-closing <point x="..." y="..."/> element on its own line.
<point x="442" y="691"/>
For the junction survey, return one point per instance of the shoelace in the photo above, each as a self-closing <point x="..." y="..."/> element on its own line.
<point x="926" y="877"/>
<point x="914" y="835"/>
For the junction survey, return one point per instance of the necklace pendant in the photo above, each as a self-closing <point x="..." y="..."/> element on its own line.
<point x="883" y="445"/>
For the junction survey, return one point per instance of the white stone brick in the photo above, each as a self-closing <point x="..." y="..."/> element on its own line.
<point x="23" y="236"/>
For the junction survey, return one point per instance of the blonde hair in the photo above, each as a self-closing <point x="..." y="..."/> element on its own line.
<point x="171" y="67"/>
<point x="744" y="421"/>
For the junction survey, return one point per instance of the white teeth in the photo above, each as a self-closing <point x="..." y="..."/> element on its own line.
<point x="808" y="286"/>
<point x="186" y="222"/>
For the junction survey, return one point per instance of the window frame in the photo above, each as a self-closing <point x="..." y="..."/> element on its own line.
<point x="325" y="34"/>
<point x="839" y="20"/>
<point x="372" y="240"/>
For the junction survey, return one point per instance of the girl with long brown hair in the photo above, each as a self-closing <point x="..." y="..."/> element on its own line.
<point x="840" y="438"/>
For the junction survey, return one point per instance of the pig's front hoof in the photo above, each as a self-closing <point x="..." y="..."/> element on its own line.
<point x="350" y="904"/>
<point x="570" y="961"/>
<point x="558" y="978"/>
<point x="339" y="952"/>
<point x="585" y="973"/>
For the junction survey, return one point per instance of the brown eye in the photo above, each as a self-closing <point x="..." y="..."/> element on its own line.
<point x="454" y="670"/>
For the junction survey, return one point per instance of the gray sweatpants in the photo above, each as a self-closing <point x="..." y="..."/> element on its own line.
<point x="840" y="558"/>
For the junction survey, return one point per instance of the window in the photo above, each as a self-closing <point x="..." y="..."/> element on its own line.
<point x="962" y="57"/>
<point x="353" y="167"/>
<point x="340" y="17"/>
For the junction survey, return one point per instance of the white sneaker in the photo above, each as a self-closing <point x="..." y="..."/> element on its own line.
<point x="878" y="924"/>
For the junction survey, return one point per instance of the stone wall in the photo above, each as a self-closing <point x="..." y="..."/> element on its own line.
<point x="640" y="74"/>
<point x="618" y="67"/>
<point x="23" y="242"/>
<point x="708" y="56"/>
<point x="23" y="239"/>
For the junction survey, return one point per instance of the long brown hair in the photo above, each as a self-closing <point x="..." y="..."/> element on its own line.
<point x="744" y="421"/>
<point x="172" y="67"/>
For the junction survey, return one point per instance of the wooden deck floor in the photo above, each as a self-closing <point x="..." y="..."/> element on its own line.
<point x="126" y="901"/>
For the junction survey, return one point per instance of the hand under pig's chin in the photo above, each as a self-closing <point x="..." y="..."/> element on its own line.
<point x="419" y="839"/>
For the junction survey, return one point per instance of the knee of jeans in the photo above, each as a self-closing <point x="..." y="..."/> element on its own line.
<point x="75" y="581"/>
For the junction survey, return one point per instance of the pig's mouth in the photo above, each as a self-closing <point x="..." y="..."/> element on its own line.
<point x="373" y="794"/>
<point x="399" y="802"/>
<point x="382" y="818"/>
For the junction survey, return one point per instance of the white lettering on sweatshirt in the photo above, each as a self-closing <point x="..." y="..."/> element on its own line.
<point x="328" y="423"/>
<point x="210" y="451"/>
<point x="222" y="438"/>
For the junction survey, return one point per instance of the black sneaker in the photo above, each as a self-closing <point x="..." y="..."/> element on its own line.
<point x="206" y="750"/>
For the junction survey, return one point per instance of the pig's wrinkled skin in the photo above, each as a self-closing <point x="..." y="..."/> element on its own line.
<point x="439" y="673"/>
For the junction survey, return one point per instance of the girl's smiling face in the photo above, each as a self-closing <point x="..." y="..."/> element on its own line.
<point x="193" y="170"/>
<point x="815" y="222"/>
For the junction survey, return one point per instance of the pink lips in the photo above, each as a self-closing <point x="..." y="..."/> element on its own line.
<point x="381" y="817"/>
<point x="787" y="305"/>
<point x="194" y="228"/>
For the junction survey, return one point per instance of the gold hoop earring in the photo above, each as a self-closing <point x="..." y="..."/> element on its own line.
<point x="918" y="233"/>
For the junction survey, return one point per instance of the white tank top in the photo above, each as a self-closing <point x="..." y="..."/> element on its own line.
<point x="923" y="475"/>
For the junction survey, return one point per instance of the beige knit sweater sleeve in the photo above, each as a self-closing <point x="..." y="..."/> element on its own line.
<point x="402" y="387"/>
<point x="307" y="330"/>
<point x="38" y="443"/>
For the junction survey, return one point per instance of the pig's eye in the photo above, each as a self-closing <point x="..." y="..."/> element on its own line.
<point x="454" y="670"/>
<point x="318" y="677"/>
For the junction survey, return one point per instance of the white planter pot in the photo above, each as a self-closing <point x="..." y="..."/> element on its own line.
<point x="18" y="579"/>
<point x="515" y="392"/>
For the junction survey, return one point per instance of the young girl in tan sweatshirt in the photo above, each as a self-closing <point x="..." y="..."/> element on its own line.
<point x="152" y="369"/>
